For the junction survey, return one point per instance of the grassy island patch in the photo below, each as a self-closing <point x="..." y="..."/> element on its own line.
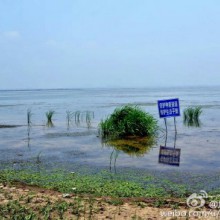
<point x="128" y="121"/>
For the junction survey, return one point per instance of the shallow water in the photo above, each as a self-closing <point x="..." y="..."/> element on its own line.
<point x="200" y="148"/>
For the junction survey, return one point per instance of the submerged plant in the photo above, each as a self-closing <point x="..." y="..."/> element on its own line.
<point x="77" y="118"/>
<point x="69" y="117"/>
<point x="49" y="116"/>
<point x="128" y="121"/>
<point x="29" y="123"/>
<point x="89" y="116"/>
<point x="191" y="116"/>
<point x="38" y="160"/>
<point x="83" y="116"/>
<point x="29" y="114"/>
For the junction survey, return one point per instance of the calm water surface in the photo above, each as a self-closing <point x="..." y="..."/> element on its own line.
<point x="200" y="150"/>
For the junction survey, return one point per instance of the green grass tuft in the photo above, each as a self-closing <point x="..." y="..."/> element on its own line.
<point x="128" y="121"/>
<point x="191" y="116"/>
<point x="49" y="116"/>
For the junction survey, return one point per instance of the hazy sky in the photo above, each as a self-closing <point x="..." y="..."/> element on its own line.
<point x="109" y="43"/>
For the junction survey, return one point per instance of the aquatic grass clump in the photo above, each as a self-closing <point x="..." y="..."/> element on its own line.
<point x="128" y="121"/>
<point x="191" y="116"/>
<point x="49" y="116"/>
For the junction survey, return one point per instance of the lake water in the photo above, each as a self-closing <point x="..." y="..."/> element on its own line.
<point x="63" y="145"/>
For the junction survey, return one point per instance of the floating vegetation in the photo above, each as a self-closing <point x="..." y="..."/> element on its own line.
<point x="191" y="116"/>
<point x="29" y="114"/>
<point x="133" y="146"/>
<point x="128" y="121"/>
<point x="49" y="116"/>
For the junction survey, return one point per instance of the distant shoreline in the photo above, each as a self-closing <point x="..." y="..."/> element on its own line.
<point x="117" y="88"/>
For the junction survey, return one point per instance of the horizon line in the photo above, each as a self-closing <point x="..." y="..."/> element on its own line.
<point x="112" y="87"/>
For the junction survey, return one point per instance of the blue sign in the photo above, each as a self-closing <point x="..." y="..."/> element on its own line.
<point x="169" y="108"/>
<point x="169" y="156"/>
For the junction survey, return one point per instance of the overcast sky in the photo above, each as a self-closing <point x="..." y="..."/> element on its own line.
<point x="109" y="43"/>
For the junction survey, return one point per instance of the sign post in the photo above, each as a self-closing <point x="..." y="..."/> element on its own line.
<point x="169" y="108"/>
